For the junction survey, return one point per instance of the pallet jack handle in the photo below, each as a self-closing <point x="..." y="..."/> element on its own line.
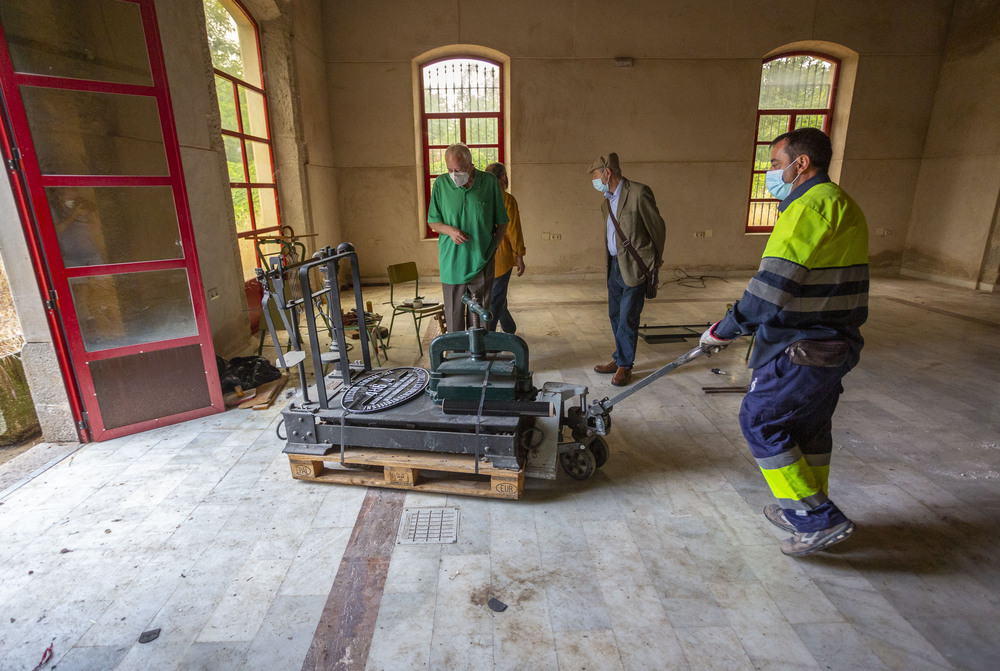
<point x="605" y="406"/>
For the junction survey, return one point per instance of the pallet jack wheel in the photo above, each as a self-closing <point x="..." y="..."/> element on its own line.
<point x="578" y="464"/>
<point x="599" y="447"/>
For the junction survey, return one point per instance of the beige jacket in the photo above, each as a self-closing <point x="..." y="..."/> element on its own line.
<point x="641" y="222"/>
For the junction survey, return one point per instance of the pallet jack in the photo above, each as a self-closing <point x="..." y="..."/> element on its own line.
<point x="477" y="398"/>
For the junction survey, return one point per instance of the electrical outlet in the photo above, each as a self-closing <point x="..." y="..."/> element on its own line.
<point x="699" y="234"/>
<point x="557" y="236"/>
<point x="213" y="293"/>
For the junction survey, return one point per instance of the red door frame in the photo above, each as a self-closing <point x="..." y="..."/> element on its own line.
<point x="29" y="187"/>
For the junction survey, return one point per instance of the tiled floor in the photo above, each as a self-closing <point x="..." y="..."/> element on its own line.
<point x="660" y="561"/>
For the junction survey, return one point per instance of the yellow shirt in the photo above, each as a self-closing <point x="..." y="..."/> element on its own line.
<point x="513" y="242"/>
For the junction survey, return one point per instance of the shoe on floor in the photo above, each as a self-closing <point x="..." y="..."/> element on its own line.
<point x="607" y="368"/>
<point x="622" y="376"/>
<point x="776" y="516"/>
<point x="806" y="543"/>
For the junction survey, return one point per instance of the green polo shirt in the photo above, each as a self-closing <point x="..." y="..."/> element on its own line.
<point x="477" y="211"/>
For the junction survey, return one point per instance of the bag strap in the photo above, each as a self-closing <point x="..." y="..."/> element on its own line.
<point x="627" y="244"/>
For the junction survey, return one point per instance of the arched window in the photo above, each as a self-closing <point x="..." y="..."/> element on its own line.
<point x="461" y="100"/>
<point x="797" y="90"/>
<point x="239" y="84"/>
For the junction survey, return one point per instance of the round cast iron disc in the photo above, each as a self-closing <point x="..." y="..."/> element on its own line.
<point x="384" y="389"/>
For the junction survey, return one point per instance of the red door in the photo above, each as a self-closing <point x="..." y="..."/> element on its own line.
<point x="92" y="154"/>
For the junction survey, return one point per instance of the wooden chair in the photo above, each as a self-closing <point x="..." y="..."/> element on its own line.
<point x="403" y="274"/>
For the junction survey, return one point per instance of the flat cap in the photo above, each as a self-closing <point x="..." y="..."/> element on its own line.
<point x="605" y="162"/>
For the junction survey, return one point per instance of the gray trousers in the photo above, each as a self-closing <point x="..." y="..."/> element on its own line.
<point x="481" y="287"/>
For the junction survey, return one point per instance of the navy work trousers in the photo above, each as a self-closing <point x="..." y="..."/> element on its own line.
<point x="786" y="419"/>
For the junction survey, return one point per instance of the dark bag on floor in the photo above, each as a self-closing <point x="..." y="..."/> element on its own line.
<point x="247" y="372"/>
<point x="652" y="276"/>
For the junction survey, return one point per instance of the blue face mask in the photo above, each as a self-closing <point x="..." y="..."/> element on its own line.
<point x="775" y="182"/>
<point x="600" y="186"/>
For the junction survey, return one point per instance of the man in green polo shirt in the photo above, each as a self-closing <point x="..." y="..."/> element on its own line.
<point x="468" y="214"/>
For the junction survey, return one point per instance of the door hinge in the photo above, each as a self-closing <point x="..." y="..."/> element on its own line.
<point x="84" y="423"/>
<point x="53" y="298"/>
<point x="14" y="162"/>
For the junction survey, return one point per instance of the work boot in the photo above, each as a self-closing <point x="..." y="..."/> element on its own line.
<point x="776" y="516"/>
<point x="607" y="368"/>
<point x="622" y="376"/>
<point x="808" y="542"/>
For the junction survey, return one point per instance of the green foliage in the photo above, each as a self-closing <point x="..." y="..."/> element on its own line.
<point x="796" y="82"/>
<point x="223" y="39"/>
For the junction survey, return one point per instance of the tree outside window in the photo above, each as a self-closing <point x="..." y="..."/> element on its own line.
<point x="239" y="85"/>
<point x="797" y="90"/>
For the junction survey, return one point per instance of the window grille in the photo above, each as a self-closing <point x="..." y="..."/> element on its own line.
<point x="797" y="90"/>
<point x="461" y="101"/>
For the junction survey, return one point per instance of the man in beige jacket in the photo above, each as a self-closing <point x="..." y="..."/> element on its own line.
<point x="641" y="223"/>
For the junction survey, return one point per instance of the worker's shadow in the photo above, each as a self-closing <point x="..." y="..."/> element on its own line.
<point x="945" y="545"/>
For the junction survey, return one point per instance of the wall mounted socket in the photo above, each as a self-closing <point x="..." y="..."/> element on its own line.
<point x="213" y="293"/>
<point x="707" y="233"/>
<point x="557" y="236"/>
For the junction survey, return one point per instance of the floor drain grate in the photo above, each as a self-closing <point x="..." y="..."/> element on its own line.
<point x="425" y="526"/>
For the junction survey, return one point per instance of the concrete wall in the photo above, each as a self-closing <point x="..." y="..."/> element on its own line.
<point x="38" y="356"/>
<point x="953" y="227"/>
<point x="313" y="109"/>
<point x="681" y="119"/>
<point x="196" y="116"/>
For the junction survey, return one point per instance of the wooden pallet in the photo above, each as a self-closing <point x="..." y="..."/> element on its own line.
<point x="411" y="469"/>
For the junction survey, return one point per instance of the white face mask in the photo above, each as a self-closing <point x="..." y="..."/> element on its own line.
<point x="460" y="178"/>
<point x="775" y="181"/>
<point x="600" y="185"/>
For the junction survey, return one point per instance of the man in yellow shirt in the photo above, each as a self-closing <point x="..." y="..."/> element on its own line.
<point x="510" y="253"/>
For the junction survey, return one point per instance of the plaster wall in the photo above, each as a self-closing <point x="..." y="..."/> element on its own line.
<point x="196" y="117"/>
<point x="313" y="111"/>
<point x="953" y="234"/>
<point x="681" y="119"/>
<point x="38" y="356"/>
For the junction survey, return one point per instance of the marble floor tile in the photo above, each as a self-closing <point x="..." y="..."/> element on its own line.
<point x="840" y="646"/>
<point x="284" y="634"/>
<point x="590" y="649"/>
<point x="245" y="601"/>
<point x="403" y="632"/>
<point x="715" y="648"/>
<point x="764" y="633"/>
<point x="470" y="652"/>
<point x="573" y="594"/>
<point x="463" y="589"/>
<point x="661" y="560"/>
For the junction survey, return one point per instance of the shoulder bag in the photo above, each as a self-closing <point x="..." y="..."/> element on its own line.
<point x="652" y="275"/>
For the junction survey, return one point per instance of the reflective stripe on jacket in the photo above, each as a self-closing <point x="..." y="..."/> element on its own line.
<point x="813" y="278"/>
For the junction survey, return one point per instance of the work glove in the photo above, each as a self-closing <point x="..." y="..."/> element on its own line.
<point x="711" y="343"/>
